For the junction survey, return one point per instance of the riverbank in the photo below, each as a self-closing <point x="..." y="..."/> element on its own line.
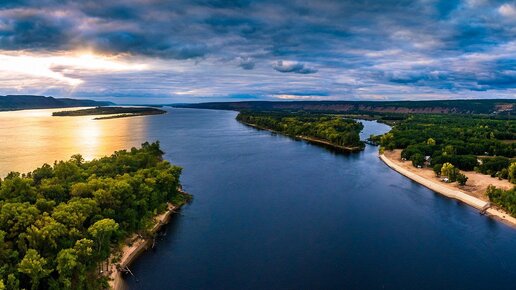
<point x="446" y="189"/>
<point x="310" y="140"/>
<point x="137" y="245"/>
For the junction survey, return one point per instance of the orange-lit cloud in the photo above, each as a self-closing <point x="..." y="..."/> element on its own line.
<point x="59" y="66"/>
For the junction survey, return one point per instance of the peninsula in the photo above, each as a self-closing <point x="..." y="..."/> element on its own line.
<point x="76" y="224"/>
<point x="27" y="102"/>
<point x="330" y="131"/>
<point x="111" y="112"/>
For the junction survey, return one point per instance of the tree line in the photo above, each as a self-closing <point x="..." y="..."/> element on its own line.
<point x="333" y="129"/>
<point x="60" y="221"/>
<point x="485" y="144"/>
<point x="473" y="142"/>
<point x="504" y="198"/>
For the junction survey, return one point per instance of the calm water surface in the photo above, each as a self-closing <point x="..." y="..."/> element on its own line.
<point x="274" y="213"/>
<point x="32" y="137"/>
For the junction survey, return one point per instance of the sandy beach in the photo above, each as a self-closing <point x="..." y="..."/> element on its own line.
<point x="134" y="248"/>
<point x="473" y="193"/>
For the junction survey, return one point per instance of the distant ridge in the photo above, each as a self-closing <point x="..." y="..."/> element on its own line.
<point x="492" y="106"/>
<point x="24" y="102"/>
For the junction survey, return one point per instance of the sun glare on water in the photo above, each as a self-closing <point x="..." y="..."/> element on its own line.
<point x="89" y="135"/>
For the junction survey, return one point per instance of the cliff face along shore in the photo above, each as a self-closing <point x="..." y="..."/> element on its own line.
<point x="446" y="189"/>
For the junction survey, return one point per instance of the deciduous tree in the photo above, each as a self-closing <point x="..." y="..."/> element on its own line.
<point x="34" y="266"/>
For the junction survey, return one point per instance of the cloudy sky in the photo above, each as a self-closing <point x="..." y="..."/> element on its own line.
<point x="152" y="51"/>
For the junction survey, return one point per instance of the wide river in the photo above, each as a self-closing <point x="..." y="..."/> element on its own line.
<point x="270" y="212"/>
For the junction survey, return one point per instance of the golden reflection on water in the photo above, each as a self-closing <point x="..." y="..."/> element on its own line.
<point x="33" y="137"/>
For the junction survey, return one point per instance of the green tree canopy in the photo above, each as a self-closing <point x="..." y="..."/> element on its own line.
<point x="34" y="266"/>
<point x="512" y="172"/>
<point x="57" y="223"/>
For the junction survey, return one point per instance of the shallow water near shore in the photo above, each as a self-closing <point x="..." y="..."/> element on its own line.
<point x="270" y="212"/>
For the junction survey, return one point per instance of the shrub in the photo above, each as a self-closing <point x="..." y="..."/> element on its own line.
<point x="437" y="169"/>
<point x="417" y="160"/>
<point x="461" y="178"/>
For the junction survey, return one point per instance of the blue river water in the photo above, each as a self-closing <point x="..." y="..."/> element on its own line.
<point x="270" y="212"/>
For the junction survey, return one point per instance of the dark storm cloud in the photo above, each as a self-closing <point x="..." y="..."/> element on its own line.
<point x="499" y="80"/>
<point x="246" y="63"/>
<point x="12" y="3"/>
<point x="446" y="7"/>
<point x="348" y="47"/>
<point x="106" y="11"/>
<point x="34" y="31"/>
<point x="147" y="44"/>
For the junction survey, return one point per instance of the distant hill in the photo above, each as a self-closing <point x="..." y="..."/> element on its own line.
<point x="496" y="106"/>
<point x="23" y="102"/>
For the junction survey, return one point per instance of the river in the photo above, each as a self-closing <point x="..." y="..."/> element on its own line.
<point x="270" y="212"/>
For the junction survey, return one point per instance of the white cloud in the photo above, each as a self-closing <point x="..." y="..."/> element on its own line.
<point x="59" y="66"/>
<point x="507" y="10"/>
<point x="285" y="66"/>
<point x="297" y="97"/>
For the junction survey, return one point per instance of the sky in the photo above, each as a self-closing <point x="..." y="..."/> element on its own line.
<point x="162" y="52"/>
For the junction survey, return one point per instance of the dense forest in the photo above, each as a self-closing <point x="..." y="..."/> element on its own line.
<point x="60" y="221"/>
<point x="331" y="129"/>
<point x="468" y="142"/>
<point x="501" y="106"/>
<point x="481" y="143"/>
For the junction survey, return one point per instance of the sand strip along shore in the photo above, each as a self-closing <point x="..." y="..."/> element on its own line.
<point x="456" y="194"/>
<point x="137" y="247"/>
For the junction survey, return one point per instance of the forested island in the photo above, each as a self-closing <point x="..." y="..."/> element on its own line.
<point x="61" y="222"/>
<point x="113" y="112"/>
<point x="451" y="143"/>
<point x="333" y="131"/>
